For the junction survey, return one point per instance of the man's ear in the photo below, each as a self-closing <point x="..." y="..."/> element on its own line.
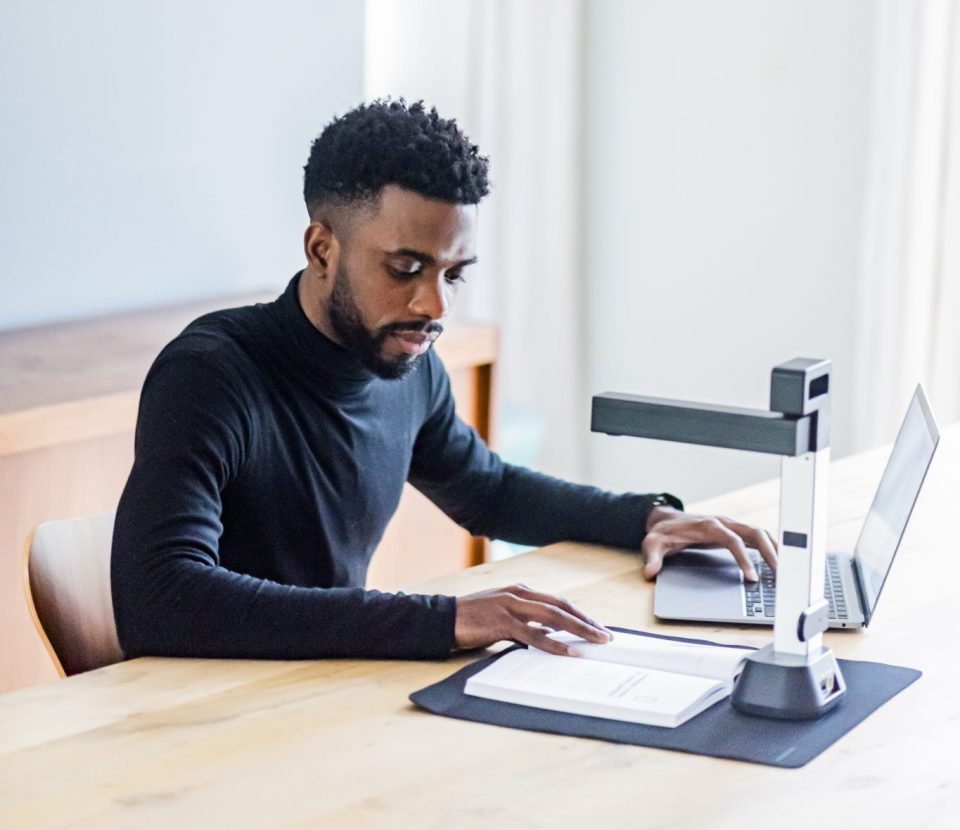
<point x="321" y="249"/>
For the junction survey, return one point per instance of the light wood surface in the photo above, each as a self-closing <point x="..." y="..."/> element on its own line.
<point x="68" y="405"/>
<point x="186" y="743"/>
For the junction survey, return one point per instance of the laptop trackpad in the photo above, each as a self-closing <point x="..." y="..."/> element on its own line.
<point x="700" y="585"/>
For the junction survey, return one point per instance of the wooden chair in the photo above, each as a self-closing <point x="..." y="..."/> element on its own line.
<point x="67" y="579"/>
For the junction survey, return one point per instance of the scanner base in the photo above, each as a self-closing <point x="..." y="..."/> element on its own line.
<point x="788" y="686"/>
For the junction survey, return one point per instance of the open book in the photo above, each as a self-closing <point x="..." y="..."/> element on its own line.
<point x="632" y="678"/>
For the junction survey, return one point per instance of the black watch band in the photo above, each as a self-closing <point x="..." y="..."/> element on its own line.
<point x="665" y="500"/>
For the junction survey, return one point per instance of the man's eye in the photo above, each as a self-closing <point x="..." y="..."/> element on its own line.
<point x="406" y="271"/>
<point x="455" y="278"/>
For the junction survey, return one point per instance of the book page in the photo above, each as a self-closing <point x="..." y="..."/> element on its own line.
<point x="665" y="655"/>
<point x="571" y="684"/>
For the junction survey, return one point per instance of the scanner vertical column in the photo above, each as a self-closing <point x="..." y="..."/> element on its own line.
<point x="802" y="559"/>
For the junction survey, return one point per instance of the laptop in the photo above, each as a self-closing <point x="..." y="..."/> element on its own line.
<point x="708" y="585"/>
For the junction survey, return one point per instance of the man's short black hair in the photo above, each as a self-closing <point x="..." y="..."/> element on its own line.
<point x="388" y="142"/>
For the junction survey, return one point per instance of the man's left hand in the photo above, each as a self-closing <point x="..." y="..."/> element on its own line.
<point x="670" y="530"/>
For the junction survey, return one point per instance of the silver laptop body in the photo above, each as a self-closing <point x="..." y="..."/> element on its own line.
<point x="708" y="585"/>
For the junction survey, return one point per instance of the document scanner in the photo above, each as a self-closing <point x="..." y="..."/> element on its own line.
<point x="796" y="676"/>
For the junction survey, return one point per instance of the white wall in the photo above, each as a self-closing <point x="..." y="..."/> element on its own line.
<point x="724" y="173"/>
<point x="153" y="152"/>
<point x="509" y="72"/>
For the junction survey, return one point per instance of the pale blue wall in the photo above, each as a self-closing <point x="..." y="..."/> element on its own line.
<point x="152" y="152"/>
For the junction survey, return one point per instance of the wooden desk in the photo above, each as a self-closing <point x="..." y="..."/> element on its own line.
<point x="68" y="405"/>
<point x="186" y="743"/>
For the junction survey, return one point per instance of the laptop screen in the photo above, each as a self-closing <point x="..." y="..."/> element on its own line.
<point x="895" y="497"/>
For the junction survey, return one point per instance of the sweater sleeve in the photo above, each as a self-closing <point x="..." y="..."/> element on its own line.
<point x="171" y="595"/>
<point x="455" y="469"/>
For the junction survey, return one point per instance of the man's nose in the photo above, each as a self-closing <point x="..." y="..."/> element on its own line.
<point x="430" y="299"/>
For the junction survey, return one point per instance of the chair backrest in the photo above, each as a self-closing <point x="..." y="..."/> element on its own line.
<point x="67" y="579"/>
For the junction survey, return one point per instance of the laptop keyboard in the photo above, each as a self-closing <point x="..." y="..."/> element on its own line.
<point x="760" y="597"/>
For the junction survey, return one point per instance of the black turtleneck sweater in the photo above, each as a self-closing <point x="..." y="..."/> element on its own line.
<point x="268" y="463"/>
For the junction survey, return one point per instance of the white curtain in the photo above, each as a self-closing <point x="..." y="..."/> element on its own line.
<point x="510" y="73"/>
<point x="909" y="282"/>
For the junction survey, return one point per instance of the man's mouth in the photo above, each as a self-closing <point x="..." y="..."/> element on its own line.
<point x="413" y="342"/>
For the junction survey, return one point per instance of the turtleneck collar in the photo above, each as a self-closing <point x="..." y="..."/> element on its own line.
<point x="311" y="350"/>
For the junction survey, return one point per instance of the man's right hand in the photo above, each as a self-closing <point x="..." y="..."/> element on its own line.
<point x="487" y="617"/>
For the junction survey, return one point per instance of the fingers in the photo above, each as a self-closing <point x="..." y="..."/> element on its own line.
<point x="674" y="535"/>
<point x="653" y="562"/>
<point x="755" y="537"/>
<point x="523" y="615"/>
<point x="767" y="548"/>
<point x="733" y="543"/>
<point x="546" y="613"/>
<point x="548" y="599"/>
<point x="538" y="638"/>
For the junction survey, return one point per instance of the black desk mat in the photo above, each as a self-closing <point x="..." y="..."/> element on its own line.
<point x="720" y="731"/>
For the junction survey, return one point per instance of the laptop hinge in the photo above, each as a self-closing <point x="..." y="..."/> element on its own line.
<point x="858" y="581"/>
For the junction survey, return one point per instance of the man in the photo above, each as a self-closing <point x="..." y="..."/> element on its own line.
<point x="273" y="441"/>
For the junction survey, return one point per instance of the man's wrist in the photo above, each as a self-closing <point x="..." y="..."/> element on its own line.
<point x="659" y="513"/>
<point x="663" y="506"/>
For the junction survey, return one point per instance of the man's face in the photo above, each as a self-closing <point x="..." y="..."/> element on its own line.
<point x="399" y="272"/>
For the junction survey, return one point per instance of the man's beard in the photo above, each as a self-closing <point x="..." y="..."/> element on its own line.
<point x="368" y="346"/>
